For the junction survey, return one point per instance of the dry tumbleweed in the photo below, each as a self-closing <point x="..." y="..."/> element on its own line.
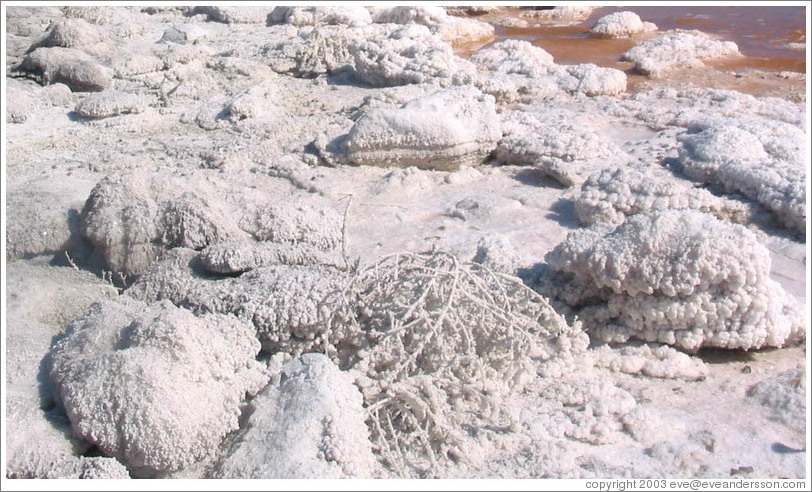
<point x="441" y="343"/>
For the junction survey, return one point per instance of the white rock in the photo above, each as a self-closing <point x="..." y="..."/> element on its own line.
<point x="677" y="49"/>
<point x="308" y="425"/>
<point x="445" y="130"/>
<point x="620" y="25"/>
<point x="153" y="385"/>
<point x="682" y="278"/>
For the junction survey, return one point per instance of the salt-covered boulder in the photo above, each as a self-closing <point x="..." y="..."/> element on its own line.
<point x="620" y="25"/>
<point x="613" y="194"/>
<point x="43" y="216"/>
<point x="515" y="68"/>
<point x="761" y="159"/>
<point x="562" y="15"/>
<point x="785" y="398"/>
<point x="40" y="302"/>
<point x="451" y="29"/>
<point x="68" y="66"/>
<point x="557" y="144"/>
<point x="235" y="15"/>
<point x="349" y="15"/>
<point x="130" y="221"/>
<point x="444" y="130"/>
<point x="408" y="54"/>
<point x="110" y="103"/>
<point x="309" y="423"/>
<point x="683" y="278"/>
<point x="288" y="305"/>
<point x="127" y="373"/>
<point x="677" y="49"/>
<point x="71" y="33"/>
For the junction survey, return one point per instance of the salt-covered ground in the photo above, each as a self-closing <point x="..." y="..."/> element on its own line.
<point x="259" y="242"/>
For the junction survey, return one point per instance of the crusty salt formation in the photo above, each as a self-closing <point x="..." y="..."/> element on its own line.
<point x="762" y="159"/>
<point x="677" y="49"/>
<point x="409" y="54"/>
<point x="683" y="278"/>
<point x="68" y="66"/>
<point x="785" y="398"/>
<point x="556" y="144"/>
<point x="613" y="194"/>
<point x="513" y="69"/>
<point x="620" y="25"/>
<point x="127" y="372"/>
<point x="288" y="305"/>
<point x="441" y="343"/>
<point x="443" y="131"/>
<point x="110" y="103"/>
<point x="309" y="422"/>
<point x="129" y="227"/>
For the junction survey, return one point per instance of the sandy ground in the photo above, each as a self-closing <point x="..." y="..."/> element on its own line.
<point x="699" y="418"/>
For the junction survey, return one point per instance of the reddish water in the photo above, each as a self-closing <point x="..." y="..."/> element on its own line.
<point x="761" y="32"/>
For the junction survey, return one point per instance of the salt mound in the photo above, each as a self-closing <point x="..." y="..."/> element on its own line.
<point x="349" y="15"/>
<point x="288" y="305"/>
<point x="110" y="103"/>
<point x="450" y="29"/>
<point x="68" y="66"/>
<point x="681" y="278"/>
<point x="129" y="225"/>
<point x="408" y="54"/>
<point x="445" y="130"/>
<point x="677" y="49"/>
<point x="785" y="396"/>
<point x="613" y="194"/>
<point x="620" y="25"/>
<point x="759" y="158"/>
<point x="126" y="372"/>
<point x="555" y="143"/>
<point x="308" y="423"/>
<point x="48" y="223"/>
<point x="511" y="69"/>
<point x="71" y="33"/>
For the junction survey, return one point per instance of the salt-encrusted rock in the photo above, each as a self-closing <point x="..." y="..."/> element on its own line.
<point x="111" y="103"/>
<point x="677" y="49"/>
<point x="235" y="15"/>
<point x="69" y="66"/>
<point x="759" y="158"/>
<point x="130" y="223"/>
<point x="309" y="423"/>
<point x="40" y="302"/>
<point x="127" y="373"/>
<point x="295" y="223"/>
<point x="613" y="194"/>
<point x="620" y="25"/>
<point x="497" y="253"/>
<point x="445" y="130"/>
<point x="20" y="106"/>
<point x="590" y="411"/>
<point x="682" y="278"/>
<point x="593" y="80"/>
<point x="349" y="15"/>
<point x="556" y="144"/>
<point x="71" y="33"/>
<point x="656" y="362"/>
<point x="785" y="396"/>
<point x="227" y="258"/>
<point x="43" y="216"/>
<point x="513" y="68"/>
<point x="184" y="34"/>
<point x="450" y="29"/>
<point x="408" y="54"/>
<point x="287" y="304"/>
<point x="560" y="15"/>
